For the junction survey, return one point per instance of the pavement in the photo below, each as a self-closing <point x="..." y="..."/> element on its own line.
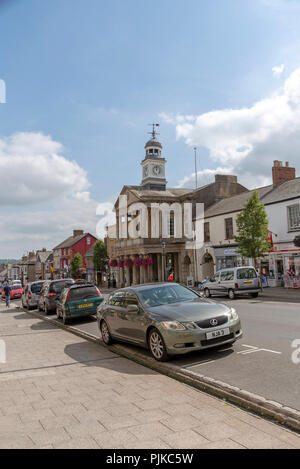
<point x="60" y="391"/>
<point x="260" y="363"/>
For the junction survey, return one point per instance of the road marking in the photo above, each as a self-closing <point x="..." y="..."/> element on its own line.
<point x="252" y="349"/>
<point x="199" y="364"/>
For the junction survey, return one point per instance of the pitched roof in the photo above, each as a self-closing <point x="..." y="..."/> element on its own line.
<point x="234" y="203"/>
<point x="268" y="195"/>
<point x="284" y="191"/>
<point x="43" y="255"/>
<point x="69" y="242"/>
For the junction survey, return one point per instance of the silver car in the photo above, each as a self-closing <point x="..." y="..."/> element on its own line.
<point x="32" y="293"/>
<point x="169" y="319"/>
<point x="232" y="282"/>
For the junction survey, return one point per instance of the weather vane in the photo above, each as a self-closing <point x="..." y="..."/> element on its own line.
<point x="154" y="133"/>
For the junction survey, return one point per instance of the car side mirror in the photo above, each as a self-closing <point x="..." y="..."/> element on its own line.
<point x="133" y="309"/>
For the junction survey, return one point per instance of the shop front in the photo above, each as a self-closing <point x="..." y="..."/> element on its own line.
<point x="229" y="257"/>
<point x="282" y="268"/>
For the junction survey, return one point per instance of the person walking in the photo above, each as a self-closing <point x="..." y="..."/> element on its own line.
<point x="7" y="291"/>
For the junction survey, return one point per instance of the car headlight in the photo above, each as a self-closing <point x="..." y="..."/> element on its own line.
<point x="190" y="325"/>
<point x="233" y="314"/>
<point x="173" y="325"/>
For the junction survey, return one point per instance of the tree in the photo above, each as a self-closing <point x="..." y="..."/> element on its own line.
<point x="252" y="225"/>
<point x="100" y="256"/>
<point x="76" y="264"/>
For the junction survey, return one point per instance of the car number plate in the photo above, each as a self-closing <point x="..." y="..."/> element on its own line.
<point x="216" y="334"/>
<point x="248" y="283"/>
<point x="86" y="305"/>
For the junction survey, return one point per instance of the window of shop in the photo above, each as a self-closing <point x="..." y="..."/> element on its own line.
<point x="294" y="217"/>
<point x="229" y="228"/>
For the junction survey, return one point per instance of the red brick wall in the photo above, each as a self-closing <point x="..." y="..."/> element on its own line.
<point x="82" y="247"/>
<point x="282" y="173"/>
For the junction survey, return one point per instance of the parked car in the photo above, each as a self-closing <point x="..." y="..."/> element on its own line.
<point x="16" y="282"/>
<point x="79" y="300"/>
<point x="169" y="319"/>
<point x="232" y="282"/>
<point x="15" y="293"/>
<point x="31" y="295"/>
<point x="50" y="293"/>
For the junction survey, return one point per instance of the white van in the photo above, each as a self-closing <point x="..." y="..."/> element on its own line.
<point x="232" y="282"/>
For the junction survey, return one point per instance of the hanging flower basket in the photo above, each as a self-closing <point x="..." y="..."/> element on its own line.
<point x="121" y="264"/>
<point x="150" y="262"/>
<point x="144" y="262"/>
<point x="138" y="262"/>
<point x="113" y="263"/>
<point x="128" y="263"/>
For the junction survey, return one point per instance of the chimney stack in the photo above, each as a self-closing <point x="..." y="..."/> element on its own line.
<point x="282" y="173"/>
<point x="77" y="233"/>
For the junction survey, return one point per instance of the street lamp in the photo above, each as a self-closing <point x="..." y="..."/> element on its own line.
<point x="164" y="245"/>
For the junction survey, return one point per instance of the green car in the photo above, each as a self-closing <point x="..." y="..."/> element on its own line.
<point x="78" y="301"/>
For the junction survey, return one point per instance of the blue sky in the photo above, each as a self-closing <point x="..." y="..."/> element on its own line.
<point x="92" y="75"/>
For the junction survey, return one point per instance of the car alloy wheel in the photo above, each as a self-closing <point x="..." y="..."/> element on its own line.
<point x="105" y="333"/>
<point x="157" y="346"/>
<point x="207" y="293"/>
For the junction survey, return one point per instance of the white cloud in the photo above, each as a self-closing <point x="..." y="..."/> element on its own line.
<point x="246" y="141"/>
<point x="33" y="170"/>
<point x="43" y="195"/>
<point x="278" y="70"/>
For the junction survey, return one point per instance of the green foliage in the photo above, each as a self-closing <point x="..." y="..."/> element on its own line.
<point x="100" y="256"/>
<point x="252" y="225"/>
<point x="76" y="264"/>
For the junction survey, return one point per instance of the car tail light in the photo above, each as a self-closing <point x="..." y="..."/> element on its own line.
<point x="52" y="295"/>
<point x="236" y="285"/>
<point x="100" y="294"/>
<point x="29" y="295"/>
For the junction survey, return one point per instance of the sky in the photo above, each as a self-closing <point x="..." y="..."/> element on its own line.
<point x="84" y="78"/>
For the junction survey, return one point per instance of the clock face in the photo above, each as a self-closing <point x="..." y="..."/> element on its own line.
<point x="156" y="170"/>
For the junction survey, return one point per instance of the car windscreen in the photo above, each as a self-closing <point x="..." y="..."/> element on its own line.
<point x="36" y="287"/>
<point x="244" y="274"/>
<point x="16" y="287"/>
<point x="166" y="294"/>
<point x="57" y="287"/>
<point x="83" y="293"/>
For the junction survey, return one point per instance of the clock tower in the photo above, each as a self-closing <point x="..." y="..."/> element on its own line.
<point x="153" y="165"/>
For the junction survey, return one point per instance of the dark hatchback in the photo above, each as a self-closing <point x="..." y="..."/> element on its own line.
<point x="50" y="294"/>
<point x="79" y="300"/>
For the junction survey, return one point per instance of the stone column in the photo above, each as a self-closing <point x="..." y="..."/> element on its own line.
<point x="127" y="269"/>
<point x="146" y="277"/>
<point x="150" y="272"/>
<point x="142" y="276"/>
<point x="159" y="265"/>
<point x="135" y="274"/>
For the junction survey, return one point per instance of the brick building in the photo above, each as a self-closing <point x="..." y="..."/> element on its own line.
<point x="63" y="254"/>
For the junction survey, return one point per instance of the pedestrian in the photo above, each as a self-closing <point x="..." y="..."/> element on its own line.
<point x="7" y="291"/>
